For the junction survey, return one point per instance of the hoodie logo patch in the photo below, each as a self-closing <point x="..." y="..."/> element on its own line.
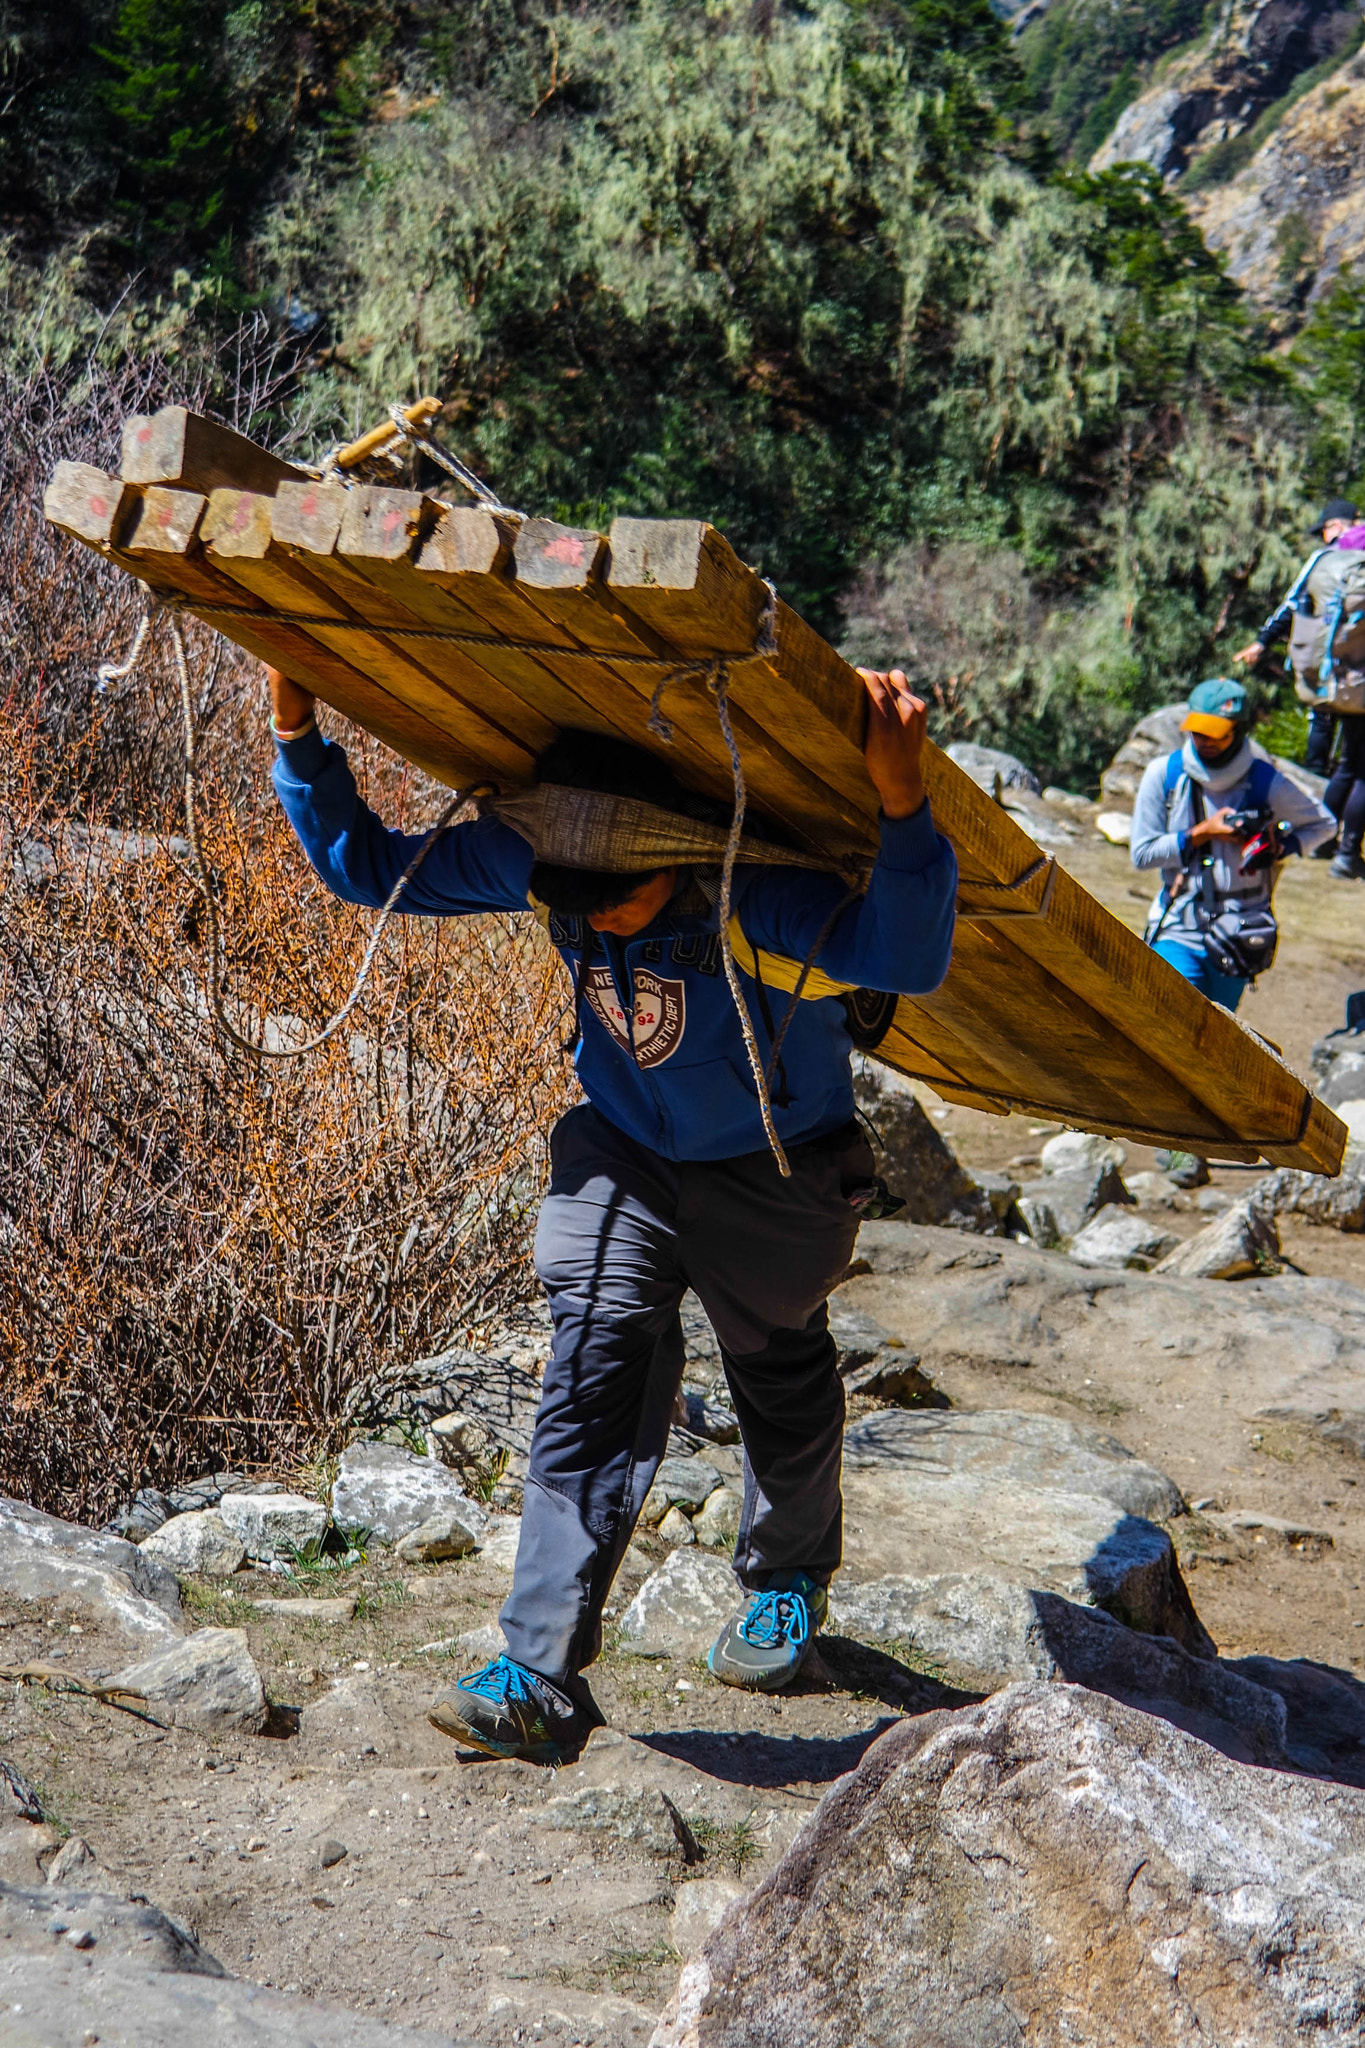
<point x="660" y="1013"/>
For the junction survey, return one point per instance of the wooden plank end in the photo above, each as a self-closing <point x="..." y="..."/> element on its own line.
<point x="553" y="557"/>
<point x="308" y="516"/>
<point x="236" y="525"/>
<point x="167" y="522"/>
<point x="380" y="524"/>
<point x="467" y="541"/>
<point x="82" y="501"/>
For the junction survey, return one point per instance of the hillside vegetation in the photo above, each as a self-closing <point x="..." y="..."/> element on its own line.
<point x="813" y="272"/>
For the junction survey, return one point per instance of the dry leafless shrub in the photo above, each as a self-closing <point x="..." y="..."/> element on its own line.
<point x="201" y="1253"/>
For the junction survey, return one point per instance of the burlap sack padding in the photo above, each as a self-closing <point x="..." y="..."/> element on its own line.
<point x="581" y="828"/>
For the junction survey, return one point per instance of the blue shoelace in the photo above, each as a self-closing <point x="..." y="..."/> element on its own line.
<point x="502" y="1681"/>
<point x="776" y="1618"/>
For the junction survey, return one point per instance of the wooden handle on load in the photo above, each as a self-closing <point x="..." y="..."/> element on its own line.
<point x="379" y="437"/>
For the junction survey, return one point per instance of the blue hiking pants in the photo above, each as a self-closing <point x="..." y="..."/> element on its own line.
<point x="1194" y="963"/>
<point x="623" y="1233"/>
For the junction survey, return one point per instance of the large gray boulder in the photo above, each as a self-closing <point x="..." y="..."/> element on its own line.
<point x="1157" y="733"/>
<point x="1048" y="1866"/>
<point x="987" y="1631"/>
<point x="1236" y="1246"/>
<point x="992" y="770"/>
<point x="1120" y="1237"/>
<point x="911" y="1521"/>
<point x="1312" y="1197"/>
<point x="918" y="1164"/>
<point x="388" y="1491"/>
<point x="44" y="1558"/>
<point x="1012" y="1449"/>
<point x="1076" y="1198"/>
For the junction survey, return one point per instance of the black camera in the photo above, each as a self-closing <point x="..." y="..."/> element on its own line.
<point x="1251" y="821"/>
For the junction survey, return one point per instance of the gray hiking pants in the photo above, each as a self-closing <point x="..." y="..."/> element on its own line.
<point x="623" y="1233"/>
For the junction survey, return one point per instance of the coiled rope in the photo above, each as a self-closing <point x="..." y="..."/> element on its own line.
<point x="110" y="672"/>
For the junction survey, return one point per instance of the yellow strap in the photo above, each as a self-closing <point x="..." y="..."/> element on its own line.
<point x="777" y="971"/>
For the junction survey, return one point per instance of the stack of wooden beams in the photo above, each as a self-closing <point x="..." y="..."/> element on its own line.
<point x="465" y="638"/>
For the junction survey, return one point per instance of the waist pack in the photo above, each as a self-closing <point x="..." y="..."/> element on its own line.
<point x="1240" y="943"/>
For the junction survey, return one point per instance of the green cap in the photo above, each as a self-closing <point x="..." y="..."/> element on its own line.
<point x="1220" y="697"/>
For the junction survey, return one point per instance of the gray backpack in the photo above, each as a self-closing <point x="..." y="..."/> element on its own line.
<point x="1336" y="588"/>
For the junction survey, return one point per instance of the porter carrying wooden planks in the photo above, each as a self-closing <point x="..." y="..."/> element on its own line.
<point x="466" y="637"/>
<point x="717" y="1147"/>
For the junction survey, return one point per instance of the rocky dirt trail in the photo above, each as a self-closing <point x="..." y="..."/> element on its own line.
<point x="1104" y="1534"/>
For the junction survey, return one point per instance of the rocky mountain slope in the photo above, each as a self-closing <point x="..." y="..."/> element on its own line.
<point x="1295" y="215"/>
<point x="1261" y="123"/>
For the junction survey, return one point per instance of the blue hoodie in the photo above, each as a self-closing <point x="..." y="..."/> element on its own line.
<point x="685" y="1089"/>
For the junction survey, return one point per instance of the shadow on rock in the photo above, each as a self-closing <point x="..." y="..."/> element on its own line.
<point x="1325" y="1714"/>
<point x="766" y="1760"/>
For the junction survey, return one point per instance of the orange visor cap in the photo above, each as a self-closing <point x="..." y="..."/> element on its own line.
<point x="1209" y="724"/>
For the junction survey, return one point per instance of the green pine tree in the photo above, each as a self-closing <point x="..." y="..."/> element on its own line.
<point x="166" y="99"/>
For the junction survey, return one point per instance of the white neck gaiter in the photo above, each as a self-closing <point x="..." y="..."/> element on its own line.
<point x="1225" y="776"/>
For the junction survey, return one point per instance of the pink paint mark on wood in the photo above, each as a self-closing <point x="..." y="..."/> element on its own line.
<point x="99" y="506"/>
<point x="566" y="548"/>
<point x="309" y="504"/>
<point x="393" y="519"/>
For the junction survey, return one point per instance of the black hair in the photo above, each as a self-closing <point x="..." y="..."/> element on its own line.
<point x="590" y="760"/>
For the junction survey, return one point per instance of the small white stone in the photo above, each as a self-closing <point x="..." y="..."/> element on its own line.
<point x="717" y="1524"/>
<point x="676" y="1529"/>
<point x="1071" y="1151"/>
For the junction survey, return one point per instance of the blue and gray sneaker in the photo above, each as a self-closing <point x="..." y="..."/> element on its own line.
<point x="506" y="1710"/>
<point x="764" y="1648"/>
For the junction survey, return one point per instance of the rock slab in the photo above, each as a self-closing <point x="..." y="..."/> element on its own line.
<point x="1015" y="1448"/>
<point x="1238" y="1246"/>
<point x="44" y="1558"/>
<point x="271" y="1525"/>
<point x="209" y="1681"/>
<point x="1047" y="1866"/>
<point x="680" y="1609"/>
<point x="1120" y="1237"/>
<point x="918" y="1522"/>
<point x="1289" y="1348"/>
<point x="989" y="1631"/>
<point x="388" y="1491"/>
<point x="81" y="1967"/>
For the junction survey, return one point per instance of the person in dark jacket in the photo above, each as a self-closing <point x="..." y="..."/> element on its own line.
<point x="1333" y="521"/>
<point x="663" y="1179"/>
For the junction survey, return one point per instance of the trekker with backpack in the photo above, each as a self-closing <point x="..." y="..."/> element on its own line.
<point x="667" y="1175"/>
<point x="1217" y="817"/>
<point x="1323" y="615"/>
